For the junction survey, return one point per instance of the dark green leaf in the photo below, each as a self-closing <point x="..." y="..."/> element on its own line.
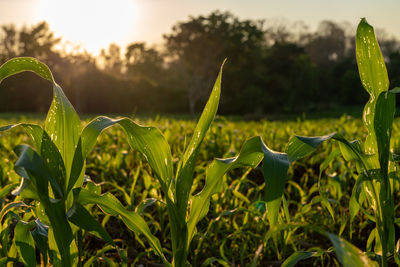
<point x="79" y="216"/>
<point x="30" y="161"/>
<point x="112" y="206"/>
<point x="40" y="236"/>
<point x="25" y="243"/>
<point x="31" y="164"/>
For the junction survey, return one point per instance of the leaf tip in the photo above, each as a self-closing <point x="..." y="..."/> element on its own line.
<point x="223" y="62"/>
<point x="364" y="25"/>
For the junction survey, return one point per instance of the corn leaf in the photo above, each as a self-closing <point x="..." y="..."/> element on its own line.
<point x="21" y="64"/>
<point x="25" y="243"/>
<point x="64" y="126"/>
<point x="300" y="146"/>
<point x="374" y="77"/>
<point x="349" y="255"/>
<point x="298" y="256"/>
<point x="48" y="151"/>
<point x="383" y="120"/>
<point x="40" y="235"/>
<point x="371" y="65"/>
<point x="30" y="161"/>
<point x="91" y="261"/>
<point x="186" y="169"/>
<point x="275" y="166"/>
<point x="31" y="165"/>
<point x="33" y="130"/>
<point x="151" y="143"/>
<point x="109" y="204"/>
<point x="147" y="140"/>
<point x="62" y="123"/>
<point x="79" y="216"/>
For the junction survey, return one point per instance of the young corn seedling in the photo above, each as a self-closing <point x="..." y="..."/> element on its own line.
<point x="374" y="160"/>
<point x="53" y="176"/>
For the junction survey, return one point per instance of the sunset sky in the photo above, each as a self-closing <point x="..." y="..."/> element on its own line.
<point x="94" y="24"/>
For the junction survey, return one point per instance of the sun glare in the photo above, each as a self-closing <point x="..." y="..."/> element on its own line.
<point x="92" y="24"/>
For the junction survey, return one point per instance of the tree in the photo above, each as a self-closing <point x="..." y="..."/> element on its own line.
<point x="327" y="45"/>
<point x="111" y="60"/>
<point x="290" y="82"/>
<point x="201" y="44"/>
<point x="143" y="63"/>
<point x="36" y="41"/>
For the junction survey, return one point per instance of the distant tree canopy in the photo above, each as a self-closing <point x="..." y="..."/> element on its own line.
<point x="200" y="45"/>
<point x="270" y="69"/>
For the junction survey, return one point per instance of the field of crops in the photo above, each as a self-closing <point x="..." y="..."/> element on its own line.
<point x="208" y="192"/>
<point x="233" y="231"/>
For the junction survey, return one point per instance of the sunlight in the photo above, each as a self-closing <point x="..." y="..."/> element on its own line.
<point x="93" y="24"/>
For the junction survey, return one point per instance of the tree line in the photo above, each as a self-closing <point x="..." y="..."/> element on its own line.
<point x="272" y="68"/>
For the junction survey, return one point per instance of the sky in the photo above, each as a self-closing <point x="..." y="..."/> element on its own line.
<point x="94" y="24"/>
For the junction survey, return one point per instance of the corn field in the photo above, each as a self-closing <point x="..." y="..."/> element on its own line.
<point x="211" y="192"/>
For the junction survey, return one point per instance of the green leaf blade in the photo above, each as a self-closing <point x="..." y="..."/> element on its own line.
<point x="25" y="243"/>
<point x="79" y="216"/>
<point x="349" y="255"/>
<point x="300" y="146"/>
<point x="383" y="120"/>
<point x="149" y="141"/>
<point x="30" y="165"/>
<point x="64" y="127"/>
<point x="370" y="61"/>
<point x="112" y="206"/>
<point x="298" y="256"/>
<point x="275" y="166"/>
<point x="21" y="64"/>
<point x="62" y="122"/>
<point x="184" y="180"/>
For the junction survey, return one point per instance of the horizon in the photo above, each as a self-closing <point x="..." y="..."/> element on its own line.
<point x="147" y="21"/>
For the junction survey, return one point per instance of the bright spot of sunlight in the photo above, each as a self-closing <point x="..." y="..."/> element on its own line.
<point x="93" y="24"/>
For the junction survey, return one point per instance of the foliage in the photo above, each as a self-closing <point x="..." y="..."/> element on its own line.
<point x="250" y="220"/>
<point x="53" y="176"/>
<point x="270" y="63"/>
<point x="374" y="160"/>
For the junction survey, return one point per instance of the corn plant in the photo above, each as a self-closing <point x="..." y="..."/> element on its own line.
<point x="374" y="160"/>
<point x="53" y="176"/>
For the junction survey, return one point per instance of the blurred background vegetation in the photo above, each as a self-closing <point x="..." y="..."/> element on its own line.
<point x="272" y="68"/>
